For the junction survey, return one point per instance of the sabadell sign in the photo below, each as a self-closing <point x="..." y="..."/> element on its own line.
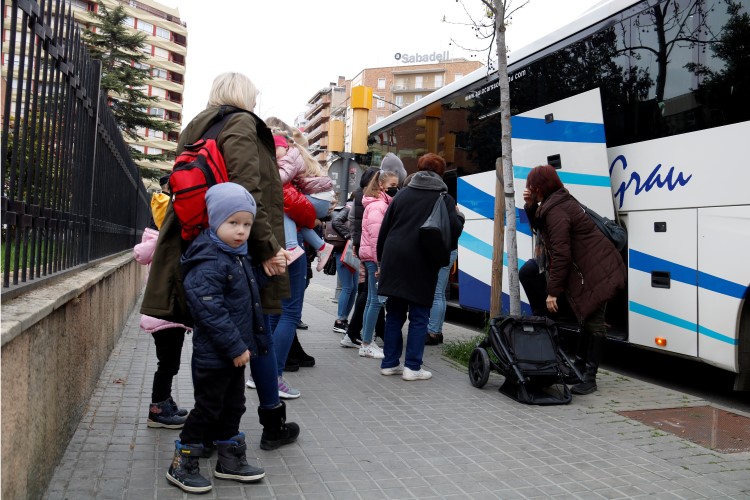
<point x="422" y="58"/>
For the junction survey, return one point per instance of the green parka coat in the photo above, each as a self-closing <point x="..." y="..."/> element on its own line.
<point x="249" y="154"/>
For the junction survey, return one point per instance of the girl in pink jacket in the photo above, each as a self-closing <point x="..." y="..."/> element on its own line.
<point x="168" y="339"/>
<point x="377" y="197"/>
<point x="297" y="167"/>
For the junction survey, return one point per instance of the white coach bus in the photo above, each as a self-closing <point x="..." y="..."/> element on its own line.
<point x="644" y="107"/>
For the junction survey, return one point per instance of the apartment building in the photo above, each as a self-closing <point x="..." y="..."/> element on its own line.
<point x="316" y="119"/>
<point x="393" y="87"/>
<point x="166" y="48"/>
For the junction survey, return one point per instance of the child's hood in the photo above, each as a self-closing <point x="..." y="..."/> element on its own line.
<point x="202" y="249"/>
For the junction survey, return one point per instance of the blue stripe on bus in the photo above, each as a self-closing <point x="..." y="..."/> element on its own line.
<point x="569" y="177"/>
<point x="482" y="248"/>
<point x="475" y="294"/>
<point x="679" y="322"/>
<point x="648" y="263"/>
<point x="559" y="130"/>
<point x="482" y="203"/>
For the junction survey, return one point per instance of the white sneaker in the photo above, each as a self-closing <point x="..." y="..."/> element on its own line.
<point x="250" y="383"/>
<point x="394" y="370"/>
<point x="323" y="256"/>
<point x="347" y="342"/>
<point x="371" y="351"/>
<point x="420" y="374"/>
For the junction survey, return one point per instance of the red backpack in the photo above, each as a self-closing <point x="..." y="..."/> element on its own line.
<point x="197" y="168"/>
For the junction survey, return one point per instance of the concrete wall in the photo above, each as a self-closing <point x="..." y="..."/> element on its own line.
<point x="55" y="343"/>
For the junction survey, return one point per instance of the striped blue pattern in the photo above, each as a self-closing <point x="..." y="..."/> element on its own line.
<point x="482" y="248"/>
<point x="559" y="130"/>
<point x="647" y="263"/>
<point x="482" y="203"/>
<point x="569" y="177"/>
<point x="679" y="322"/>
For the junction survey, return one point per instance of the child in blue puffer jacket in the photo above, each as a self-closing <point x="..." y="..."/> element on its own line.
<point x="229" y="332"/>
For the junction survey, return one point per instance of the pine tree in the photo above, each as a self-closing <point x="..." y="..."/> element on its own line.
<point x="125" y="76"/>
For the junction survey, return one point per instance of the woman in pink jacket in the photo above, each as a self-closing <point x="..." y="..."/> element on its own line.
<point x="168" y="339"/>
<point x="377" y="197"/>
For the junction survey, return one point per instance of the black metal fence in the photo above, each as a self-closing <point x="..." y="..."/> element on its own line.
<point x="71" y="192"/>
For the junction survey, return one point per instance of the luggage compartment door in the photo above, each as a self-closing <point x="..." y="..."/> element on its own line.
<point x="662" y="279"/>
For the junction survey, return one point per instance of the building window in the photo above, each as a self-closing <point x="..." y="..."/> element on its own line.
<point x="129" y="21"/>
<point x="162" y="33"/>
<point x="399" y="100"/>
<point x="155" y="151"/>
<point x="380" y="117"/>
<point x="159" y="52"/>
<point x="380" y="103"/>
<point x="155" y="134"/>
<point x="156" y="112"/>
<point x="145" y="27"/>
<point x="458" y="77"/>
<point x="138" y="148"/>
<point x="438" y="81"/>
<point x="417" y="97"/>
<point x="156" y="91"/>
<point x="400" y="84"/>
<point x="381" y="83"/>
<point x="159" y="73"/>
<point x="418" y="82"/>
<point x="142" y="65"/>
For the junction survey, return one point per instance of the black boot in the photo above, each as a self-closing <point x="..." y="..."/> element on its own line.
<point x="593" y="356"/>
<point x="579" y="359"/>
<point x="185" y="469"/>
<point x="298" y="354"/>
<point x="276" y="431"/>
<point x="232" y="461"/>
<point x="164" y="415"/>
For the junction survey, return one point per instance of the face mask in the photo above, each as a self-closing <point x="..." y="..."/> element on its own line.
<point x="392" y="191"/>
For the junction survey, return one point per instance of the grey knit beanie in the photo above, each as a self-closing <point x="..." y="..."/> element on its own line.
<point x="225" y="199"/>
<point x="392" y="163"/>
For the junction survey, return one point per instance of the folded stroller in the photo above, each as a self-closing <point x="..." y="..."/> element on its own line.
<point x="526" y="352"/>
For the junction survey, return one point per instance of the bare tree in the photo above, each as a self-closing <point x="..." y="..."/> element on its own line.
<point x="498" y="11"/>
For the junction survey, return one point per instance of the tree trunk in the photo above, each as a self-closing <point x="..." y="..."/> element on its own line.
<point x="498" y="236"/>
<point x="511" y="248"/>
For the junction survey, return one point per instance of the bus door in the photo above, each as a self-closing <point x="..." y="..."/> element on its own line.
<point x="568" y="134"/>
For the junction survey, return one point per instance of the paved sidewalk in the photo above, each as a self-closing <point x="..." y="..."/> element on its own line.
<point x="366" y="436"/>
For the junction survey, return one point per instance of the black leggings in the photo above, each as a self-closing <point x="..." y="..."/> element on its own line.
<point x="355" y="324"/>
<point x="168" y="351"/>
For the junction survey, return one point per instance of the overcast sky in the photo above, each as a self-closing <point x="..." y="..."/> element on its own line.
<point x="293" y="48"/>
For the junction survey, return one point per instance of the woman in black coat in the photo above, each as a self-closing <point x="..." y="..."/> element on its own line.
<point x="407" y="276"/>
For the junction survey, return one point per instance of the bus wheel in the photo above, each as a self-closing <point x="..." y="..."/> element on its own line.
<point x="742" y="381"/>
<point x="479" y="367"/>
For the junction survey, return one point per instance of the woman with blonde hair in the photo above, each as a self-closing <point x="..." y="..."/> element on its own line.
<point x="246" y="145"/>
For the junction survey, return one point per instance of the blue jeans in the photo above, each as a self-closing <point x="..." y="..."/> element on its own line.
<point x="437" y="313"/>
<point x="348" y="280"/>
<point x="373" y="306"/>
<point x="263" y="370"/>
<point x="395" y="317"/>
<point x="284" y="325"/>
<point x="309" y="235"/>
